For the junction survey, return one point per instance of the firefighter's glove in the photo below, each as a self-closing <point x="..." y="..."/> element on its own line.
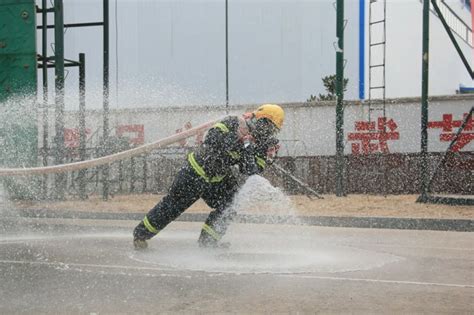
<point x="272" y="153"/>
<point x="271" y="146"/>
<point x="250" y="165"/>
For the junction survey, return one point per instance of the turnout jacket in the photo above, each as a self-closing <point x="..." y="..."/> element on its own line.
<point x="226" y="144"/>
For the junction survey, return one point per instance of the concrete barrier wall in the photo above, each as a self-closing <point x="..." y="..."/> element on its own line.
<point x="309" y="129"/>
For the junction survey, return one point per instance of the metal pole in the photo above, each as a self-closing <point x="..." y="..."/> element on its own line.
<point x="132" y="174"/>
<point x="298" y="182"/>
<point x="59" y="90"/>
<point x="145" y="174"/>
<point x="120" y="176"/>
<point x="452" y="38"/>
<point x="370" y="61"/>
<point x="340" y="98"/>
<point x="226" y="57"/>
<point x="73" y="25"/>
<point x="44" y="48"/>
<point x="116" y="55"/>
<point x="424" y="100"/>
<point x="466" y="120"/>
<point x="82" y="123"/>
<point x="105" y="173"/>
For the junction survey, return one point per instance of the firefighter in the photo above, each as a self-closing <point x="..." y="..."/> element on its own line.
<point x="248" y="142"/>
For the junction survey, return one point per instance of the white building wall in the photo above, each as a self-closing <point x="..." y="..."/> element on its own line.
<point x="309" y="130"/>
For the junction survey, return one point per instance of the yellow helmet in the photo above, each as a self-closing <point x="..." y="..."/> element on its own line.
<point x="272" y="112"/>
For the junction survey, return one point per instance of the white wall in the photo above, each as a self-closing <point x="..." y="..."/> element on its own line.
<point x="308" y="129"/>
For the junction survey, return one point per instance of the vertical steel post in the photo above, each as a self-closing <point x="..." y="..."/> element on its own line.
<point x="424" y="100"/>
<point x="466" y="120"/>
<point x="44" y="52"/>
<point x="145" y="175"/>
<point x="340" y="99"/>
<point x="132" y="174"/>
<point x="226" y="57"/>
<point x="82" y="124"/>
<point x="59" y="98"/>
<point x="120" y="179"/>
<point x="362" y="49"/>
<point x="105" y="172"/>
<point x="452" y="38"/>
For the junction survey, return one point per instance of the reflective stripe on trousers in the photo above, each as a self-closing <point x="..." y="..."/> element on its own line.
<point x="148" y="226"/>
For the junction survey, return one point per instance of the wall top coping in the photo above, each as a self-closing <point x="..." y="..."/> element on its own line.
<point x="287" y="105"/>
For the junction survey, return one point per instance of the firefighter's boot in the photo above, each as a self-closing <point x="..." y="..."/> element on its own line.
<point x="210" y="238"/>
<point x="140" y="236"/>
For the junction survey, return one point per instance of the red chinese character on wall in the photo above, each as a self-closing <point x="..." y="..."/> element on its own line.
<point x="187" y="126"/>
<point x="373" y="137"/>
<point x="72" y="136"/>
<point x="134" y="133"/>
<point x="449" y="129"/>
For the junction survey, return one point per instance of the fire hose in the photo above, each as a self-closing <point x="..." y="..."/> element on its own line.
<point x="146" y="148"/>
<point x="308" y="190"/>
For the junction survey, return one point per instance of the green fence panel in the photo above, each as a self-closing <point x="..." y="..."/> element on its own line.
<point x="18" y="84"/>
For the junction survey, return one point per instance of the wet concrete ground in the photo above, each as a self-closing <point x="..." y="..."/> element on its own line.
<point x="83" y="268"/>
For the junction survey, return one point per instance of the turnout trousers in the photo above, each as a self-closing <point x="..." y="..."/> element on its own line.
<point x="186" y="189"/>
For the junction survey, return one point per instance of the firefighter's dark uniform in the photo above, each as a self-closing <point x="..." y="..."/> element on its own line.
<point x="207" y="174"/>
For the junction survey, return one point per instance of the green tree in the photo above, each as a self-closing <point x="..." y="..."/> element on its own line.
<point x="329" y="83"/>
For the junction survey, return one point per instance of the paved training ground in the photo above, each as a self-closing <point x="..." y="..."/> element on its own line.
<point x="83" y="268"/>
